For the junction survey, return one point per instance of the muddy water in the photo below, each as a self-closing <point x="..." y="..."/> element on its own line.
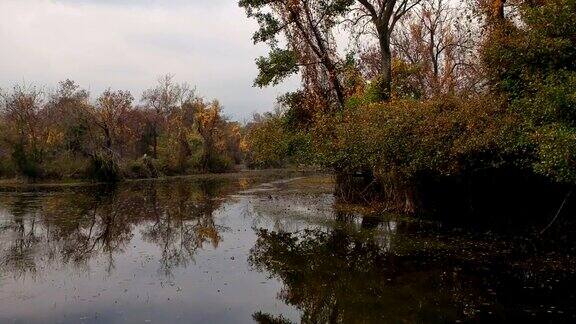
<point x="260" y="247"/>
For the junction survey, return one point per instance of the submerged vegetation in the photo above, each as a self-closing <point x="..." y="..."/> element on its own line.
<point x="428" y="96"/>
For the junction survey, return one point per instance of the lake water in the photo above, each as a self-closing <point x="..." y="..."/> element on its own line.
<point x="267" y="247"/>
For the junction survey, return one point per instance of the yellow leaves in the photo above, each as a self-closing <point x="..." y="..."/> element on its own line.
<point x="245" y="145"/>
<point x="208" y="116"/>
<point x="54" y="137"/>
<point x="265" y="143"/>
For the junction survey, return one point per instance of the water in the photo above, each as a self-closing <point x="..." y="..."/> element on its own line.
<point x="270" y="247"/>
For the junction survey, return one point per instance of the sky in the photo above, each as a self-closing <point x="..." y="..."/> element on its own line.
<point x="129" y="44"/>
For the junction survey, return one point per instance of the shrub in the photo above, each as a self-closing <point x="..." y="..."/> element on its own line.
<point x="220" y="163"/>
<point x="7" y="168"/>
<point x="65" y="165"/>
<point x="406" y="137"/>
<point x="266" y="144"/>
<point x="144" y="167"/>
<point x="27" y="163"/>
<point x="104" y="167"/>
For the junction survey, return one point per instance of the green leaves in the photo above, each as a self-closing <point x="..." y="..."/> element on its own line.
<point x="269" y="28"/>
<point x="526" y="119"/>
<point x="276" y="67"/>
<point x="556" y="149"/>
<point x="544" y="44"/>
<point x="334" y="9"/>
<point x="253" y="5"/>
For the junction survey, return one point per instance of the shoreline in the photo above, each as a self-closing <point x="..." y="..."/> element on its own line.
<point x="16" y="183"/>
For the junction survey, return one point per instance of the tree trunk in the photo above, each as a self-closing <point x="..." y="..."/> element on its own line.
<point x="386" y="56"/>
<point x="155" y="144"/>
<point x="207" y="155"/>
<point x="498" y="10"/>
<point x="336" y="84"/>
<point x="323" y="53"/>
<point x="108" y="138"/>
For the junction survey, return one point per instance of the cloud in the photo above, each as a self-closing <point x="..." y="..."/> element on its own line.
<point x="128" y="44"/>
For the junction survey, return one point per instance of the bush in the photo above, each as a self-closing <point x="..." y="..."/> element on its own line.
<point x="146" y="167"/>
<point x="104" y="167"/>
<point x="27" y="163"/>
<point x="7" y="168"/>
<point x="220" y="163"/>
<point x="266" y="144"/>
<point x="65" y="165"/>
<point x="406" y="137"/>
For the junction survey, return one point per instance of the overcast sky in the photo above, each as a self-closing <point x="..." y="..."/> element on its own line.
<point x="128" y="44"/>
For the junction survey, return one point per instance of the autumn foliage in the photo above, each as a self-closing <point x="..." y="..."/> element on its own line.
<point x="67" y="134"/>
<point x="487" y="88"/>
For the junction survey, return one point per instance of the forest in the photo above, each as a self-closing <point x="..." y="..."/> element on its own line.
<point x="64" y="134"/>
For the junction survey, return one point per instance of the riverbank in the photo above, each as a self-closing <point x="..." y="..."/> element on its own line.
<point x="19" y="183"/>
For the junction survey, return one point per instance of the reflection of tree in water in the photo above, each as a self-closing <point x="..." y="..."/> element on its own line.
<point x="342" y="275"/>
<point x="18" y="257"/>
<point x="63" y="228"/>
<point x="184" y="223"/>
<point x="74" y="227"/>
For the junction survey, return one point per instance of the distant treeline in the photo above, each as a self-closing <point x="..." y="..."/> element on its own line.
<point x="426" y="91"/>
<point x="66" y="134"/>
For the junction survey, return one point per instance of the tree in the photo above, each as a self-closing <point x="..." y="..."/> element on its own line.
<point x="63" y="134"/>
<point x="209" y="123"/>
<point x="310" y="47"/>
<point x="181" y="136"/>
<point x="382" y="17"/>
<point x="162" y="100"/>
<point x="438" y="41"/>
<point x="67" y="115"/>
<point x="111" y="111"/>
<point x="26" y="134"/>
<point x="266" y="141"/>
<point x="531" y="62"/>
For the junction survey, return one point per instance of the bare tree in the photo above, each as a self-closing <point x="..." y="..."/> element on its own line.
<point x="438" y="39"/>
<point x="379" y="17"/>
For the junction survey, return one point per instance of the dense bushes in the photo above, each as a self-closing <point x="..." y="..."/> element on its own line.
<point x="406" y="137"/>
<point x="273" y="141"/>
<point x="533" y="64"/>
<point x="520" y="125"/>
<point x="549" y="125"/>
<point x="104" y="167"/>
<point x="266" y="143"/>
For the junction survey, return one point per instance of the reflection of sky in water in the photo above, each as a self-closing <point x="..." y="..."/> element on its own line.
<point x="212" y="288"/>
<point x="149" y="276"/>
